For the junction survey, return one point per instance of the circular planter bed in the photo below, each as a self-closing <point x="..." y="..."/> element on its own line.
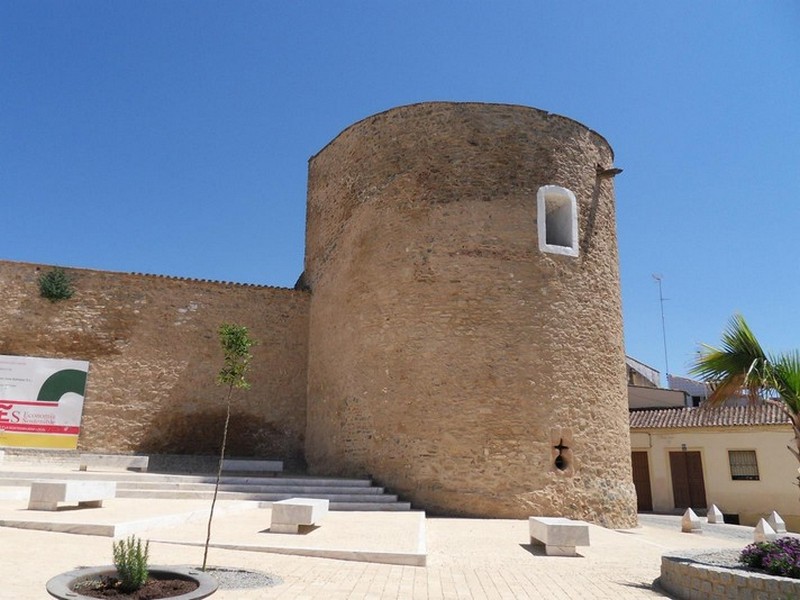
<point x="174" y="582"/>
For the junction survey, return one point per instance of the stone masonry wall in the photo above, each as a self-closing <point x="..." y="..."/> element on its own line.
<point x="448" y="355"/>
<point x="685" y="577"/>
<point x="154" y="354"/>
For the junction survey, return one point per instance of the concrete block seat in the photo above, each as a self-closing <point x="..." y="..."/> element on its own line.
<point x="46" y="495"/>
<point x="114" y="462"/>
<point x="289" y="515"/>
<point x="558" y="535"/>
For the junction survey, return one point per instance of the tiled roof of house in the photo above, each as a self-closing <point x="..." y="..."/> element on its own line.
<point x="769" y="413"/>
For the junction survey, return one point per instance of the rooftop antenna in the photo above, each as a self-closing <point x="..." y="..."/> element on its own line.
<point x="658" y="277"/>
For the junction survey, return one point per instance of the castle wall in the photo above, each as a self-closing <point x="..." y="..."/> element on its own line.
<point x="448" y="354"/>
<point x="154" y="355"/>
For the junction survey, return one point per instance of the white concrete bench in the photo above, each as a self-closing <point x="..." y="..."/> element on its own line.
<point x="252" y="465"/>
<point x="114" y="462"/>
<point x="45" y="495"/>
<point x="558" y="535"/>
<point x="289" y="515"/>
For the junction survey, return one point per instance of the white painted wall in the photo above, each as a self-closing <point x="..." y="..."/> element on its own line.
<point x="775" y="490"/>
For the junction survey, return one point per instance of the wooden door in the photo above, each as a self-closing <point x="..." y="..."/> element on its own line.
<point x="641" y="481"/>
<point x="688" y="486"/>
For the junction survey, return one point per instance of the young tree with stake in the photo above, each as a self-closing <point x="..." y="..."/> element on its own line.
<point x="236" y="344"/>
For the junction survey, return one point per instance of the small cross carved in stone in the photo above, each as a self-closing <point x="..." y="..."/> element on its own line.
<point x="561" y="462"/>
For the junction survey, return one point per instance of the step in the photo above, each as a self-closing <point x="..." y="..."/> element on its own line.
<point x="398" y="506"/>
<point x="169" y="478"/>
<point x="253" y="489"/>
<point x="252" y="465"/>
<point x="344" y="494"/>
<point x="271" y="497"/>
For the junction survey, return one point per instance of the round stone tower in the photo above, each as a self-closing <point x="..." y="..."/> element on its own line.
<point x="465" y="330"/>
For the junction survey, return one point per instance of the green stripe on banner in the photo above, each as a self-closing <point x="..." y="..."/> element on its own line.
<point x="61" y="382"/>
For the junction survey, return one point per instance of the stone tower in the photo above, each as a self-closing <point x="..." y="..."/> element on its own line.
<point x="465" y="335"/>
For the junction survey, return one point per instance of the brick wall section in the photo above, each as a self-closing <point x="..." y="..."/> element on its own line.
<point x="154" y="354"/>
<point x="447" y="354"/>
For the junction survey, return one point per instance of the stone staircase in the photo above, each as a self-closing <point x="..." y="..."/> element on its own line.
<point x="344" y="494"/>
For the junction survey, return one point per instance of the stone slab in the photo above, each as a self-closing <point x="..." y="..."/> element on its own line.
<point x="288" y="515"/>
<point x="119" y="517"/>
<point x="378" y="537"/>
<point x="558" y="535"/>
<point x="46" y="495"/>
<point x="114" y="462"/>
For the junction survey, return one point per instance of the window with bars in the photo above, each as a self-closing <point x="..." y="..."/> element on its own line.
<point x="744" y="466"/>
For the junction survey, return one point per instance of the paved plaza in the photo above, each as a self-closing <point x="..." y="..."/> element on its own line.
<point x="463" y="558"/>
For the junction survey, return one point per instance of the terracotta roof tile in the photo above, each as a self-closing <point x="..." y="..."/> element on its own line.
<point x="769" y="413"/>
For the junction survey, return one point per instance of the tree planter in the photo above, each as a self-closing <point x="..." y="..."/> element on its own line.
<point x="62" y="586"/>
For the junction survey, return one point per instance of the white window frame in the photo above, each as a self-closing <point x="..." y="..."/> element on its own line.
<point x="557" y="209"/>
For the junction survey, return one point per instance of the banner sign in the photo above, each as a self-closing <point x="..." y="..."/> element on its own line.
<point x="41" y="401"/>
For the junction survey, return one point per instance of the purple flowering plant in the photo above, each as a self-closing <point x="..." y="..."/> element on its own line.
<point x="781" y="557"/>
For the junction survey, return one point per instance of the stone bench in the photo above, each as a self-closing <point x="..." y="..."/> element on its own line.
<point x="114" y="462"/>
<point x="45" y="495"/>
<point x="289" y="515"/>
<point x="558" y="535"/>
<point x="252" y="465"/>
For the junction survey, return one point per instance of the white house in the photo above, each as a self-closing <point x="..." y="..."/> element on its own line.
<point x="733" y="456"/>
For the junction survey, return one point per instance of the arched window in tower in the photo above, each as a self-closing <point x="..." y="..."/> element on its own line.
<point x="557" y="219"/>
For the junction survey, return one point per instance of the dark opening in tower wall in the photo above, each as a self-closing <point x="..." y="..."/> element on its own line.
<point x="558" y="220"/>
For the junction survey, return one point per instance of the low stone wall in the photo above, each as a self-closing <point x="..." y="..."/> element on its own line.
<point x="686" y="579"/>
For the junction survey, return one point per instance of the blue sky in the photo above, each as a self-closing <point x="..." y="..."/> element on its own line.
<point x="173" y="137"/>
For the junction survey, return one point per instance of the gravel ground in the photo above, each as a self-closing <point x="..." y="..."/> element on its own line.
<point x="238" y="579"/>
<point x="721" y="530"/>
<point x="719" y="558"/>
<point x="727" y="558"/>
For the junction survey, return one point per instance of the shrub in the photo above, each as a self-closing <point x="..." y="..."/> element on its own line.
<point x="753" y="554"/>
<point x="131" y="562"/>
<point x="781" y="557"/>
<point x="55" y="285"/>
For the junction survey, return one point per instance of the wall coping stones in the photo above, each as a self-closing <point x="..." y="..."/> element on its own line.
<point x="39" y="266"/>
<point x="438" y="103"/>
<point x="687" y="576"/>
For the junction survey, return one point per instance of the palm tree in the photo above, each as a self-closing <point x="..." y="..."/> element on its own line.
<point x="741" y="365"/>
<point x="786" y="375"/>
